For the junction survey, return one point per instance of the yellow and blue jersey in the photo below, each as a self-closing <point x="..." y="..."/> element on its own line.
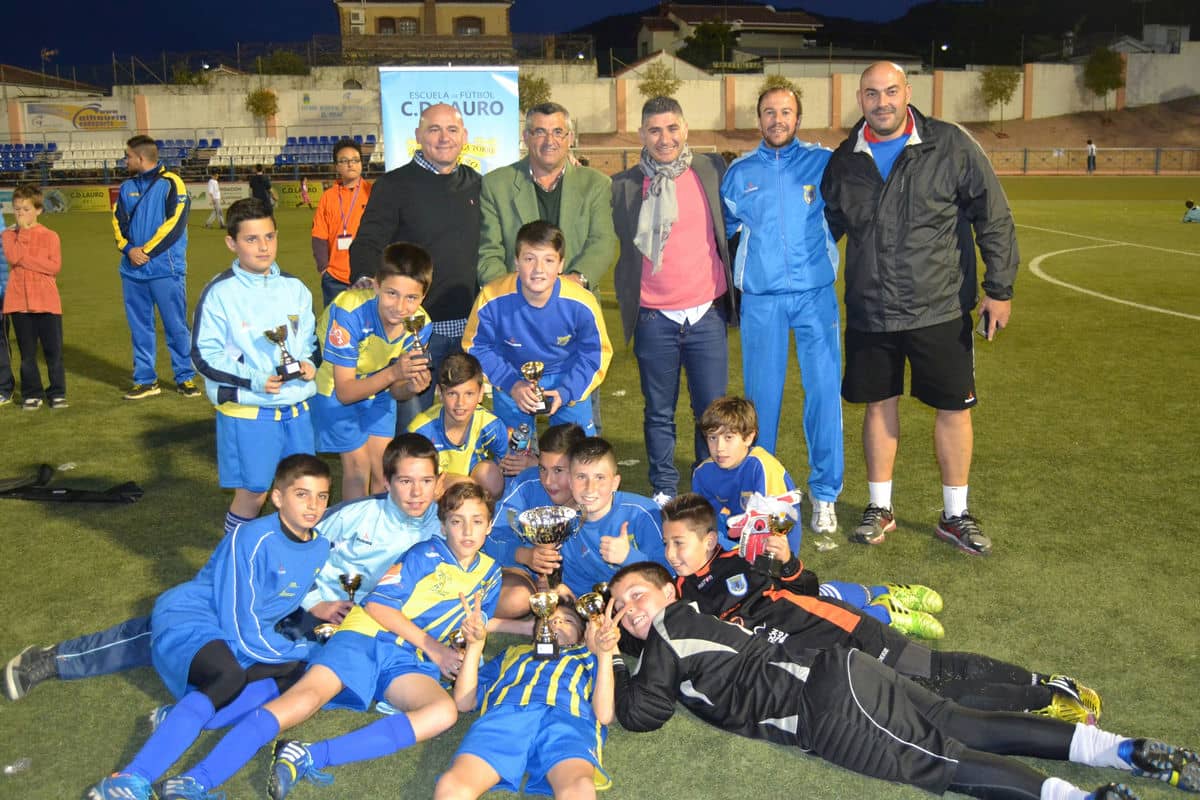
<point x="424" y="584"/>
<point x="515" y="677"/>
<point x="567" y="334"/>
<point x="729" y="489"/>
<point x="352" y="335"/>
<point x="486" y="439"/>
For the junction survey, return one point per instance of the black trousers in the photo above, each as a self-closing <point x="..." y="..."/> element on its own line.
<point x="6" y="377"/>
<point x="46" y="329"/>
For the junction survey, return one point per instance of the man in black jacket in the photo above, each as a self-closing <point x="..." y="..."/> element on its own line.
<point x="432" y="201"/>
<point x="850" y="709"/>
<point x="908" y="190"/>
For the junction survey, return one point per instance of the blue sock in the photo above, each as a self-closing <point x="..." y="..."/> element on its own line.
<point x="878" y="590"/>
<point x="232" y="520"/>
<point x="255" y="729"/>
<point x="854" y="594"/>
<point x="381" y="738"/>
<point x="254" y="695"/>
<point x="878" y="612"/>
<point x="174" y="736"/>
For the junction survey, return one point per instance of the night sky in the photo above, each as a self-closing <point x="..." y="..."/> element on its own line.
<point x="84" y="34"/>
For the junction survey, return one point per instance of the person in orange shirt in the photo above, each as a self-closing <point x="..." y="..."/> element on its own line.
<point x="35" y="257"/>
<point x="336" y="222"/>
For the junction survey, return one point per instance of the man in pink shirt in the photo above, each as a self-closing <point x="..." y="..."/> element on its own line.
<point x="673" y="281"/>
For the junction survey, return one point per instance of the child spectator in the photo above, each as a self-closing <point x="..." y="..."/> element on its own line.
<point x="339" y="212"/>
<point x="304" y="198"/>
<point x="619" y="528"/>
<point x="844" y="706"/>
<point x="214" y="641"/>
<point x="6" y="377"/>
<point x="722" y="584"/>
<point x="469" y="438"/>
<point x="531" y="315"/>
<point x="1191" y="213"/>
<point x="31" y="300"/>
<point x="370" y="362"/>
<point x="736" y="468"/>
<point x="392" y="647"/>
<point x="545" y="719"/>
<point x="261" y="417"/>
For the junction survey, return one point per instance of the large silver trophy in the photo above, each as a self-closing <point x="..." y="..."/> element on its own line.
<point x="552" y="525"/>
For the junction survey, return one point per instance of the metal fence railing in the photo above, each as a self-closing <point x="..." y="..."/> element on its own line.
<point x="1109" y="161"/>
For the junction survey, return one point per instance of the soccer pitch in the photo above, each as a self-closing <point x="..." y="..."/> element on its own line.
<point x="1085" y="460"/>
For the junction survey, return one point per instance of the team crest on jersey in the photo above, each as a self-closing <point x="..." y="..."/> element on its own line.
<point x="737" y="585"/>
<point x="810" y="193"/>
<point x="338" y="336"/>
<point x="561" y="341"/>
<point x="441" y="578"/>
<point x="294" y="321"/>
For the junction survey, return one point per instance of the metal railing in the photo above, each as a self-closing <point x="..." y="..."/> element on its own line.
<point x="1109" y="161"/>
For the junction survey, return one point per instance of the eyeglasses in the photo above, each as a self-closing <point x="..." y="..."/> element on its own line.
<point x="345" y="162"/>
<point x="558" y="134"/>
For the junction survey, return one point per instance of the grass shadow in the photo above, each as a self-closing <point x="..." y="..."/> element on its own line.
<point x="94" y="366"/>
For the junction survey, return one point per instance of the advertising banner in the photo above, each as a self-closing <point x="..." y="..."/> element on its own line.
<point x="485" y="96"/>
<point x="108" y="114"/>
<point x="348" y="105"/>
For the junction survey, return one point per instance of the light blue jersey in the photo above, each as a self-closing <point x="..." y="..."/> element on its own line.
<point x="367" y="536"/>
<point x="229" y="345"/>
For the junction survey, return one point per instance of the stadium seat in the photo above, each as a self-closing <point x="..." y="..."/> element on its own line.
<point x="370" y="138"/>
<point x="203" y="144"/>
<point x="51" y="147"/>
<point x="216" y="143"/>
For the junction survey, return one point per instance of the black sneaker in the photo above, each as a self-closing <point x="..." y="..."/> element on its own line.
<point x="188" y="388"/>
<point x="59" y="402"/>
<point x="1113" y="791"/>
<point x="964" y="533"/>
<point x="32" y="403"/>
<point x="1151" y="758"/>
<point x="876" y="524"/>
<point x="142" y="390"/>
<point x="27" y="669"/>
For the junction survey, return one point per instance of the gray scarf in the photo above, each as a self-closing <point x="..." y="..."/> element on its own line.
<point x="660" y="209"/>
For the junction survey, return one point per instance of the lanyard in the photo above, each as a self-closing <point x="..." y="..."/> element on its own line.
<point x="346" y="215"/>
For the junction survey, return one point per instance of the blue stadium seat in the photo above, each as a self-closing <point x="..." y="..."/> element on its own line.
<point x="324" y="140"/>
<point x="216" y="143"/>
<point x="159" y="142"/>
<point x="6" y="147"/>
<point x="38" y="147"/>
<point x="52" y="147"/>
<point x="358" y="138"/>
<point x="370" y="138"/>
<point x="291" y="140"/>
<point x="203" y="144"/>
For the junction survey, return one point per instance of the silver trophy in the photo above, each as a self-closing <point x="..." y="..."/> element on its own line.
<point x="552" y="525"/>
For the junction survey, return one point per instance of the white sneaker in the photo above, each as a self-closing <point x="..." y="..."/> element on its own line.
<point x="662" y="498"/>
<point x="824" y="516"/>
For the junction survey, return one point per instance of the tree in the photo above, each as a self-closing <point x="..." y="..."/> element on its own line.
<point x="1102" y="73"/>
<point x="658" y="80"/>
<point x="262" y="103"/>
<point x="183" y="75"/>
<point x="532" y="90"/>
<point x="282" y="62"/>
<point x="997" y="86"/>
<point x="709" y="42"/>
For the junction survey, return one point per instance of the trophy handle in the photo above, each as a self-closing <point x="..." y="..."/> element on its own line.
<point x="513" y="522"/>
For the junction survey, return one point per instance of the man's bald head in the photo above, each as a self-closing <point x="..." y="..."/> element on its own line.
<point x="883" y="95"/>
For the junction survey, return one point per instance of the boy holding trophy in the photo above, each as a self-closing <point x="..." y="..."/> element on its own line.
<point x="260" y="382"/>
<point x="541" y="340"/>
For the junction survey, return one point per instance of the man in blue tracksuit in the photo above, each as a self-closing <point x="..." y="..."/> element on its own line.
<point x="785" y="267"/>
<point x="150" y="224"/>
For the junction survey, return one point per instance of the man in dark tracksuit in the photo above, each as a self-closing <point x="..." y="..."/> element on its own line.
<point x="907" y="191"/>
<point x="849" y="709"/>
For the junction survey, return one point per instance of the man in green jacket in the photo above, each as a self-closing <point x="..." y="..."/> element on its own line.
<point x="546" y="185"/>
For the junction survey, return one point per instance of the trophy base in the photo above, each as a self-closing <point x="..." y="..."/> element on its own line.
<point x="768" y="565"/>
<point x="544" y="651"/>
<point x="542" y="409"/>
<point x="289" y="371"/>
<point x="325" y="630"/>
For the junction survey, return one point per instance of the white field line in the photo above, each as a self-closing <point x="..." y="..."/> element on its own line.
<point x="1035" y="266"/>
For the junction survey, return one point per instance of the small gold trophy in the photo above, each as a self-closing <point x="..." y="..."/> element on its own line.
<point x="591" y="605"/>
<point x="779" y="524"/>
<point x="532" y="372"/>
<point x="350" y="583"/>
<point x="289" y="367"/>
<point x="545" y="644"/>
<point x="457" y="639"/>
<point x="414" y="324"/>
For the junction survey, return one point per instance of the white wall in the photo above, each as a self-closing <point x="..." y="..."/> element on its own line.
<point x="961" y="101"/>
<point x="1153" y="78"/>
<point x="1059" y="89"/>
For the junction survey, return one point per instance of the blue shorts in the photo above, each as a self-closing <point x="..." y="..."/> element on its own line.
<point x="515" y="740"/>
<point x="366" y="666"/>
<point x="579" y="412"/>
<point x="249" y="450"/>
<point x="342" y="428"/>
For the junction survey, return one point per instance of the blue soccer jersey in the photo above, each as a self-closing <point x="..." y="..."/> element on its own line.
<point x="728" y="489"/>
<point x="367" y="536"/>
<point x="582" y="565"/>
<point x="525" y="491"/>
<point x="424" y="585"/>
<point x="486" y="439"/>
<point x="352" y="335"/>
<point x="255" y="577"/>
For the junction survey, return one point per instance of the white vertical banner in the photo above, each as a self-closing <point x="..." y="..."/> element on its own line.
<point x="485" y="96"/>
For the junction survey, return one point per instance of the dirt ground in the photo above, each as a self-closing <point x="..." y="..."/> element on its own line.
<point x="1174" y="124"/>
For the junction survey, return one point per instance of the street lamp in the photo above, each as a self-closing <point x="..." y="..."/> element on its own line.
<point x="933" y="48"/>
